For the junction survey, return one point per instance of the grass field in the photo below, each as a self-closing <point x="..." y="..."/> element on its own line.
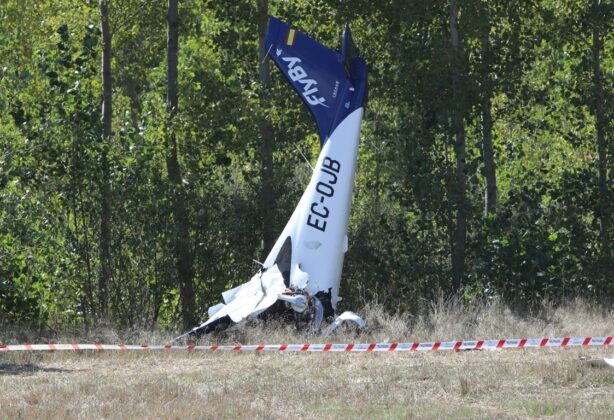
<point x="554" y="383"/>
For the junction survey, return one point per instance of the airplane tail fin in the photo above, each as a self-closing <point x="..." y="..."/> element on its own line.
<point x="331" y="84"/>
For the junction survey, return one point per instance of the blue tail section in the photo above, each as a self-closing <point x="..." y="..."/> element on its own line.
<point x="331" y="84"/>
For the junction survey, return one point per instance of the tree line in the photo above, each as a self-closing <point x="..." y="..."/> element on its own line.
<point x="149" y="154"/>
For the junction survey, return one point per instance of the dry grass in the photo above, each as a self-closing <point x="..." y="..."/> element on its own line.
<point x="447" y="320"/>
<point x="508" y="384"/>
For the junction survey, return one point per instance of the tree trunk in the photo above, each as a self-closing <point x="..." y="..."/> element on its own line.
<point x="106" y="272"/>
<point x="266" y="134"/>
<point x="460" y="230"/>
<point x="600" y="123"/>
<point x="183" y="251"/>
<point x="490" y="168"/>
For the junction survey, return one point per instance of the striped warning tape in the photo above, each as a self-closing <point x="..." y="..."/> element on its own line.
<point x="518" y="343"/>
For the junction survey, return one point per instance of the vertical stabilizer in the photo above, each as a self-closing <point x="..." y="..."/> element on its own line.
<point x="331" y="84"/>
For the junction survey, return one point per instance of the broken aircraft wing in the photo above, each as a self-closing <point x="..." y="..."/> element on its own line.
<point x="303" y="270"/>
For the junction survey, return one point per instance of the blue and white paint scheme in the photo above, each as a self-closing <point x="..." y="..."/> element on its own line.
<point x="302" y="272"/>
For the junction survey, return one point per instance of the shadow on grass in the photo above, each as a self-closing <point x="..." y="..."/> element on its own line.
<point x="26" y="369"/>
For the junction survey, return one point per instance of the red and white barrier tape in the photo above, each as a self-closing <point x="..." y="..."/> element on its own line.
<point x="330" y="347"/>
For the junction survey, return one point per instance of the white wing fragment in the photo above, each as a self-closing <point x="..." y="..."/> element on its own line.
<point x="251" y="298"/>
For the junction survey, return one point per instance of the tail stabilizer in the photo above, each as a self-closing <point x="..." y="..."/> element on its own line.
<point x="331" y="84"/>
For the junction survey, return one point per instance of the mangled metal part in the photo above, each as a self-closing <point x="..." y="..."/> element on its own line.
<point x="244" y="302"/>
<point x="310" y="314"/>
<point x="348" y="317"/>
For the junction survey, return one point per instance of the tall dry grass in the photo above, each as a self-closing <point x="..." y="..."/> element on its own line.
<point x="446" y="319"/>
<point x="442" y="319"/>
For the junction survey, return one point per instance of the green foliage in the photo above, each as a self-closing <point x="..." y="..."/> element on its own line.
<point x="543" y="241"/>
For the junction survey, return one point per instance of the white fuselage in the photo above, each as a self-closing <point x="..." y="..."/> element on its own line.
<point x="318" y="226"/>
<point x="317" y="231"/>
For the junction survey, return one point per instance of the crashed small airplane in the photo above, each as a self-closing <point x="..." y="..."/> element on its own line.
<point x="301" y="275"/>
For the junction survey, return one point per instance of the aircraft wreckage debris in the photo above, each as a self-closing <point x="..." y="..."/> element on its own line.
<point x="300" y="277"/>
